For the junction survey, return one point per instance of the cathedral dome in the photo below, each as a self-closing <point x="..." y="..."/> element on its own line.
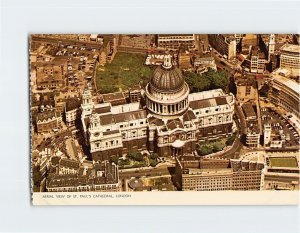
<point x="167" y="92"/>
<point x="167" y="78"/>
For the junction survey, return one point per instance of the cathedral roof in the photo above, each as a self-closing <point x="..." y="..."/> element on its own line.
<point x="167" y="80"/>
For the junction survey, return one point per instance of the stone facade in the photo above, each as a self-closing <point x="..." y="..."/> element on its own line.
<point x="170" y="122"/>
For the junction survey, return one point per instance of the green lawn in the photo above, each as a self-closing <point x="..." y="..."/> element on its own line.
<point x="283" y="162"/>
<point x="125" y="71"/>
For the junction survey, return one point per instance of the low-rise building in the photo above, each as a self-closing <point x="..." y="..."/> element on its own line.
<point x="246" y="89"/>
<point x="273" y="138"/>
<point x="73" y="176"/>
<point x="50" y="76"/>
<point x="68" y="166"/>
<point x="225" y="44"/>
<point x="290" y="58"/>
<point x="48" y="121"/>
<point x="285" y="93"/>
<point x="253" y="134"/>
<point x="116" y="98"/>
<point x="174" y="41"/>
<point x="253" y="131"/>
<point x="255" y="61"/>
<point x="207" y="174"/>
<point x="72" y="111"/>
<point x="202" y="63"/>
<point x="282" y="171"/>
<point x="184" y="59"/>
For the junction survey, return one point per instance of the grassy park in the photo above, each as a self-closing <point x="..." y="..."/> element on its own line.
<point x="123" y="72"/>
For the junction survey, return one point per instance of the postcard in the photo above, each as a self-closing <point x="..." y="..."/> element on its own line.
<point x="164" y="119"/>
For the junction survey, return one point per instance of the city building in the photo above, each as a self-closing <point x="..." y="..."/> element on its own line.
<point x="135" y="94"/>
<point x="271" y="45"/>
<point x="285" y="93"/>
<point x="208" y="174"/>
<point x="76" y="177"/>
<point x="202" y="63"/>
<point x="273" y="137"/>
<point x="72" y="111"/>
<point x="246" y="89"/>
<point x="116" y="98"/>
<point x="225" y="44"/>
<point x="253" y="131"/>
<point x="184" y="59"/>
<point x="248" y="41"/>
<point x="253" y="134"/>
<point x="50" y="76"/>
<point x="267" y="134"/>
<point x="282" y="171"/>
<point x="290" y="58"/>
<point x="255" y="61"/>
<point x="174" y="41"/>
<point x="47" y="121"/>
<point x="168" y="120"/>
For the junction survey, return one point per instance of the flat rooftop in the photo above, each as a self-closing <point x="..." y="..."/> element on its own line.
<point x="291" y="48"/>
<point x="283" y="162"/>
<point x="291" y="84"/>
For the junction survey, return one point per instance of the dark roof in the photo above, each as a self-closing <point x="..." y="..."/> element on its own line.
<point x="111" y="132"/>
<point x="205" y="103"/>
<point x="155" y="121"/>
<point x="69" y="163"/>
<point x="113" y="96"/>
<point x="167" y="79"/>
<point x="106" y="119"/>
<point x="221" y="100"/>
<point x="248" y="81"/>
<point x="109" y="176"/>
<point x="46" y="115"/>
<point x="123" y="117"/>
<point x="175" y="123"/>
<point x="102" y="109"/>
<point x="129" y="116"/>
<point x="189" y="115"/>
<point x="62" y="180"/>
<point x="72" y="103"/>
<point x="248" y="110"/>
<point x="55" y="160"/>
<point x="197" y="104"/>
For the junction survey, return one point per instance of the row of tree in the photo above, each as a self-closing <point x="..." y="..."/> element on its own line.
<point x="209" y="80"/>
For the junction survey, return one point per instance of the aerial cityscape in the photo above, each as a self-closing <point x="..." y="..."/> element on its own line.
<point x="164" y="112"/>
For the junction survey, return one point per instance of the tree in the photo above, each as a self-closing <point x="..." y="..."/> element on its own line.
<point x="135" y="155"/>
<point x="212" y="79"/>
<point x="218" y="146"/>
<point x="219" y="79"/>
<point x="205" y="149"/>
<point x="153" y="163"/>
<point x="114" y="159"/>
<point x="123" y="162"/>
<point x="153" y="156"/>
